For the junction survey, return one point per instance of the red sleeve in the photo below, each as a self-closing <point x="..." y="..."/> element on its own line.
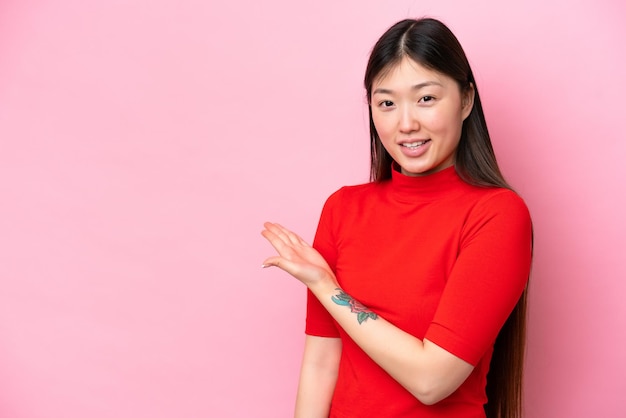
<point x="487" y="279"/>
<point x="318" y="321"/>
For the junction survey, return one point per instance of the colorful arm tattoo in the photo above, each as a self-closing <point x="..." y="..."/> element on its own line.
<point x="362" y="312"/>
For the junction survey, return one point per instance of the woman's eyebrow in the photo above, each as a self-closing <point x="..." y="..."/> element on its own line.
<point x="415" y="87"/>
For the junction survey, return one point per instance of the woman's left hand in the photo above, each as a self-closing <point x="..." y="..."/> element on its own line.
<point x="296" y="257"/>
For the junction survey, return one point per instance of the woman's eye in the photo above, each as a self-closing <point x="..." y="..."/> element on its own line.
<point x="426" y="99"/>
<point x="386" y="103"/>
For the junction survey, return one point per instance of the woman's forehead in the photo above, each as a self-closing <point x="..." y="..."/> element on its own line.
<point x="407" y="71"/>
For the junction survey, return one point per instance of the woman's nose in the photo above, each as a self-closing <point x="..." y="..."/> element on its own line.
<point x="408" y="119"/>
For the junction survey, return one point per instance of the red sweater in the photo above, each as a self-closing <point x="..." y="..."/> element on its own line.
<point x="436" y="257"/>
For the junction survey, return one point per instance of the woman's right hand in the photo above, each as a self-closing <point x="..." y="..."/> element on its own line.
<point x="297" y="258"/>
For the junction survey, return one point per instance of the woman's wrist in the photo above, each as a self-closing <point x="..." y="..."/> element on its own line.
<point x="325" y="287"/>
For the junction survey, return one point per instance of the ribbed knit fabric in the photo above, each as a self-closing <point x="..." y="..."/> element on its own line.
<point x="434" y="256"/>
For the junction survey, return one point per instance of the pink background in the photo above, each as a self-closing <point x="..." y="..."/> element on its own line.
<point x="143" y="143"/>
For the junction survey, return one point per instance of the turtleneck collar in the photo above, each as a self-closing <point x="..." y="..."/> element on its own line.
<point x="430" y="187"/>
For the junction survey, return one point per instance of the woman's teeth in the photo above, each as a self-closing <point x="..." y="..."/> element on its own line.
<point x="414" y="144"/>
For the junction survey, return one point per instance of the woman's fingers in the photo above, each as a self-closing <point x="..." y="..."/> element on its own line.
<point x="271" y="261"/>
<point x="279" y="240"/>
<point x="285" y="233"/>
<point x="276" y="230"/>
<point x="293" y="237"/>
<point x="286" y="243"/>
<point x="283" y="264"/>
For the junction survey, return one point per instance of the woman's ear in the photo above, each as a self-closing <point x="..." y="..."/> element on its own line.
<point x="467" y="102"/>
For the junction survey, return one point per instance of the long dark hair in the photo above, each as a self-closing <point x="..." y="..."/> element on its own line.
<point x="431" y="44"/>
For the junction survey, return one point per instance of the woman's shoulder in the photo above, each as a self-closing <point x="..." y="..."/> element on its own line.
<point x="501" y="196"/>
<point x="356" y="191"/>
<point x="499" y="200"/>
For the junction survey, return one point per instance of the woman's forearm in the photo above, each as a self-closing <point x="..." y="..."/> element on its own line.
<point x="426" y="370"/>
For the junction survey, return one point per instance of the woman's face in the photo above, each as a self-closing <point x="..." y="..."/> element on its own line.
<point x="418" y="114"/>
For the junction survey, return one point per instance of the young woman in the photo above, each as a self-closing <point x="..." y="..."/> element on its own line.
<point x="416" y="280"/>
